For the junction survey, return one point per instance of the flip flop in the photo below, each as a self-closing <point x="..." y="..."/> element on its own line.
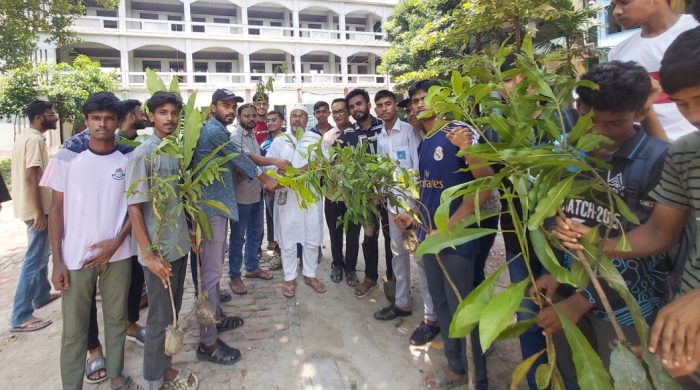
<point x="181" y="381"/>
<point x="94" y="367"/>
<point x="288" y="291"/>
<point x="258" y="273"/>
<point x="228" y="323"/>
<point x="315" y="284"/>
<point x="238" y="288"/>
<point x="31" y="326"/>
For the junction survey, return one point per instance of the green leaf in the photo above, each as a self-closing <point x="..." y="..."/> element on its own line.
<point x="543" y="375"/>
<point x="590" y="372"/>
<point x="436" y="241"/>
<point x="549" y="205"/>
<point x="153" y="82"/>
<point x="498" y="314"/>
<point x="174" y="85"/>
<point x="481" y="294"/>
<point x="522" y="369"/>
<point x="217" y="205"/>
<point x="624" y="209"/>
<point x="527" y="46"/>
<point x="623" y="245"/>
<point x="592" y="141"/>
<point x="549" y="260"/>
<point x="582" y="126"/>
<point x="464" y="320"/>
<point x="627" y="371"/>
<point x="516" y="329"/>
<point x="457" y="82"/>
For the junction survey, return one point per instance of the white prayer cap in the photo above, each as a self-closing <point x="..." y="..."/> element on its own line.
<point x="300" y="106"/>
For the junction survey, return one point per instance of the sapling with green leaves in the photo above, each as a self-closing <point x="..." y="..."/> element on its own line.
<point x="545" y="166"/>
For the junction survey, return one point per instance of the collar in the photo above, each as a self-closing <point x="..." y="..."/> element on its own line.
<point x="374" y="122"/>
<point x="155" y="138"/>
<point x="396" y="127"/>
<point x="632" y="146"/>
<point x="32" y="130"/>
<point x="245" y="131"/>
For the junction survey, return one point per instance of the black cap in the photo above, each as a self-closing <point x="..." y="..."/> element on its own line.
<point x="404" y="103"/>
<point x="225" y="94"/>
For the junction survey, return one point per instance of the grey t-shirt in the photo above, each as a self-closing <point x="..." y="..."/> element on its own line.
<point x="171" y="233"/>
<point x="248" y="191"/>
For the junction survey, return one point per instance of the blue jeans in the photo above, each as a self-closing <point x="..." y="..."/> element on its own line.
<point x="532" y="340"/>
<point x="249" y="229"/>
<point x="33" y="287"/>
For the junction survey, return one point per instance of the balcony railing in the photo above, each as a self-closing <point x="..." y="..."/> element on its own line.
<point x="321" y="78"/>
<point x="139" y="78"/>
<point x="100" y="23"/>
<point x="368" y="79"/>
<point x="211" y="79"/>
<point x="218" y="79"/>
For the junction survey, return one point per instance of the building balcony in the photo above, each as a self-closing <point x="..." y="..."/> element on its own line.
<point x="211" y="80"/>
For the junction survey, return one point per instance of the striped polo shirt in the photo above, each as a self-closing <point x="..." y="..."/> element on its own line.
<point x="680" y="188"/>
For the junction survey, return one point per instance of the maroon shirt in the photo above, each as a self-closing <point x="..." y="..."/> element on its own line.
<point x="260" y="130"/>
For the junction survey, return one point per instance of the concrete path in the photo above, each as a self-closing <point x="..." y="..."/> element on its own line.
<point x="314" y="341"/>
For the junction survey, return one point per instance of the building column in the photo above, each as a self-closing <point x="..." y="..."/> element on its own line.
<point x="341" y="27"/>
<point x="246" y="61"/>
<point x="331" y="62"/>
<point x="124" y="61"/>
<point x="372" y="63"/>
<point x="385" y="20"/>
<point x="370" y="23"/>
<point x="344" y="67"/>
<point x="295" y="22"/>
<point x="243" y="19"/>
<point x="122" y="16"/>
<point x="189" y="64"/>
<point x="297" y="64"/>
<point x="188" y="19"/>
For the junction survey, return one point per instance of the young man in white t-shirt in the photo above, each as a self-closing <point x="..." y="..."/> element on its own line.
<point x="88" y="232"/>
<point x="659" y="26"/>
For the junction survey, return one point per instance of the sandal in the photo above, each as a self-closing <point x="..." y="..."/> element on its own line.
<point x="237" y="286"/>
<point x="316" y="284"/>
<point x="351" y="278"/>
<point x="32" y="325"/>
<point x="221" y="354"/>
<point x="336" y="274"/>
<point x="288" y="289"/>
<point x="258" y="273"/>
<point x="94" y="367"/>
<point x="228" y="323"/>
<point x="126" y="385"/>
<point x="439" y="380"/>
<point x="182" y="381"/>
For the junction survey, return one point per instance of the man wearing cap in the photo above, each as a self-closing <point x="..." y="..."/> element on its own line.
<point x="214" y="134"/>
<point x="294" y="225"/>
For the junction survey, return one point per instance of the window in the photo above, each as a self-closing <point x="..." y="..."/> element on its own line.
<point x="278" y="67"/>
<point x="257" y="67"/>
<point x="175" y="26"/>
<point x="254" y="31"/>
<point x="198" y="28"/>
<point x="153" y="65"/>
<point x="276" y="24"/>
<point x="145" y="15"/>
<point x="107" y="63"/>
<point x="362" y="69"/>
<point x="107" y="14"/>
<point x="316" y="26"/>
<point x="224" y="67"/>
<point x="201" y="67"/>
<point x="222" y="20"/>
<point x="176" y="66"/>
<point x="316" y="68"/>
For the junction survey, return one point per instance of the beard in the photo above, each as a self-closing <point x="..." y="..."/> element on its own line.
<point x="361" y="116"/>
<point x="49" y="124"/>
<point x="223" y="119"/>
<point x="139" y="125"/>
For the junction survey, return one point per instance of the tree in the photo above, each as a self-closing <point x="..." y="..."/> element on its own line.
<point x="65" y="85"/>
<point x="21" y="22"/>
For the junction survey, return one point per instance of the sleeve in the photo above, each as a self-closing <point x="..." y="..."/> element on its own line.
<point x="33" y="152"/>
<point x="4" y="192"/>
<point x="413" y="143"/>
<point x="670" y="190"/>
<point x="137" y="179"/>
<point x="56" y="171"/>
<point x="241" y="162"/>
<point x="79" y="142"/>
<point x="237" y="138"/>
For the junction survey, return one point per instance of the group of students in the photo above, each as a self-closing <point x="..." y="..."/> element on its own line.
<point x="90" y="218"/>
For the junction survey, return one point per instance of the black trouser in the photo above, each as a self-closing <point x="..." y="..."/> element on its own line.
<point x="370" y="247"/>
<point x="133" y="305"/>
<point x="334" y="211"/>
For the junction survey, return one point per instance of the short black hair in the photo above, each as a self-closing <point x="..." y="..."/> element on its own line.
<point x="244" y="107"/>
<point x="37" y="107"/>
<point x="260" y="96"/>
<point x="510" y="61"/>
<point x="161" y="98"/>
<point x="101" y="101"/>
<point x="340" y="100"/>
<point x="320" y="104"/>
<point x="126" y="106"/>
<point x="384" y="94"/>
<point x="695" y="9"/>
<point x="421" y="85"/>
<point x="680" y="66"/>
<point x="357" y="92"/>
<point x="622" y="87"/>
<point x="276" y="112"/>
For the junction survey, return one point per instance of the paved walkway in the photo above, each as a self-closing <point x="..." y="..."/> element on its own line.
<point x="314" y="341"/>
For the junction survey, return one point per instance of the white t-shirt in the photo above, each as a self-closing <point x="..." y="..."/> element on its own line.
<point x="94" y="201"/>
<point x="648" y="53"/>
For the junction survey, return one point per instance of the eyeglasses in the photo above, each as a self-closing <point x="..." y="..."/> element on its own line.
<point x="52" y="115"/>
<point x="339" y="112"/>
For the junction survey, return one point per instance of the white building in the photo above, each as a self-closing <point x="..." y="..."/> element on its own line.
<point x="327" y="47"/>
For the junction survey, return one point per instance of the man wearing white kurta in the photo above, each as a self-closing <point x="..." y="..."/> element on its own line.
<point x="399" y="141"/>
<point x="292" y="223"/>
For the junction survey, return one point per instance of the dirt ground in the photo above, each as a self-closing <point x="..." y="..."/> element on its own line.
<point x="314" y="341"/>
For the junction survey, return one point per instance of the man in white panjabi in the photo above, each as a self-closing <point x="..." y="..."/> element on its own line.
<point x="294" y="225"/>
